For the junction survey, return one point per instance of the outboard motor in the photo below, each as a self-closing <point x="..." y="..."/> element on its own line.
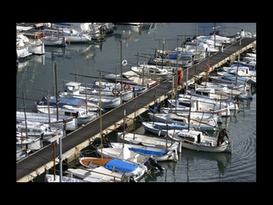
<point x="131" y="179"/>
<point x="44" y="98"/>
<point x="151" y="163"/>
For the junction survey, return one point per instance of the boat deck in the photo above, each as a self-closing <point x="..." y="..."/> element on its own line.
<point x="38" y="162"/>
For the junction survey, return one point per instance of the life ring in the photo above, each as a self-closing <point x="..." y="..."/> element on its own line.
<point x="116" y="92"/>
<point x="124" y="62"/>
<point x="126" y="86"/>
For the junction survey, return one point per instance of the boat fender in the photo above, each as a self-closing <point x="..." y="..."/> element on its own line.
<point x="152" y="162"/>
<point x="116" y="92"/>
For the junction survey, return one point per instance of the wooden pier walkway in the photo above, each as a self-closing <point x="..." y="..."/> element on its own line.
<point x="42" y="160"/>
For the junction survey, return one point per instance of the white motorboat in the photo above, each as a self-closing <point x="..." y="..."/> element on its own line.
<point x="158" y="153"/>
<point x="194" y="115"/>
<point x="148" y="141"/>
<point x="152" y="71"/>
<point x="196" y="140"/>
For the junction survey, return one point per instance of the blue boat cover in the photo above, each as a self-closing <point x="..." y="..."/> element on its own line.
<point x="148" y="152"/>
<point x="121" y="166"/>
<point x="172" y="56"/>
<point x="67" y="101"/>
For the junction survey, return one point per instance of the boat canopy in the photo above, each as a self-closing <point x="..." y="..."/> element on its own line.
<point x="147" y="152"/>
<point x="67" y="101"/>
<point x="121" y="166"/>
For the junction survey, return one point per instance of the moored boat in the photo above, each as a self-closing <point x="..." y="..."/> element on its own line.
<point x="148" y="141"/>
<point x="196" y="140"/>
<point x="158" y="153"/>
<point x="131" y="169"/>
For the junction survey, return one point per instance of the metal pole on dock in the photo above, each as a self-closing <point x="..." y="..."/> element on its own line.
<point x="121" y="66"/>
<point x="56" y="91"/>
<point x="24" y="106"/>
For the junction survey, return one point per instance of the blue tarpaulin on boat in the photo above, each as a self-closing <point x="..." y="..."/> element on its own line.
<point x="67" y="101"/>
<point x="149" y="152"/>
<point x="172" y="56"/>
<point x="121" y="166"/>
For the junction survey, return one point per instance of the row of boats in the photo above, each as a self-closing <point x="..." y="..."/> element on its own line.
<point x="32" y="38"/>
<point x="181" y="123"/>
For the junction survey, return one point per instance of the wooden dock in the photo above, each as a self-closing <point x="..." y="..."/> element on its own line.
<point x="42" y="160"/>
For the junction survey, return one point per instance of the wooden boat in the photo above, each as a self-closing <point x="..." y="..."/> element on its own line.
<point x="203" y="124"/>
<point x="196" y="105"/>
<point x="76" y="90"/>
<point x="112" y="86"/>
<point x="107" y="101"/>
<point x="149" y="141"/>
<point x="115" y="165"/>
<point x="83" y="116"/>
<point x="196" y="140"/>
<point x="157" y="153"/>
<point x="162" y="129"/>
<point x="195" y="115"/>
<point x="36" y="129"/>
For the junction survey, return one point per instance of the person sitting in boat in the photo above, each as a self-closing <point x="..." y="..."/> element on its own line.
<point x="221" y="136"/>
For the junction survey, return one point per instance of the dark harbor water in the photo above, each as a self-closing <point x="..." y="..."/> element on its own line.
<point x="35" y="77"/>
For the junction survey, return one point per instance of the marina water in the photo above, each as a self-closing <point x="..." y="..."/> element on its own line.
<point x="35" y="76"/>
